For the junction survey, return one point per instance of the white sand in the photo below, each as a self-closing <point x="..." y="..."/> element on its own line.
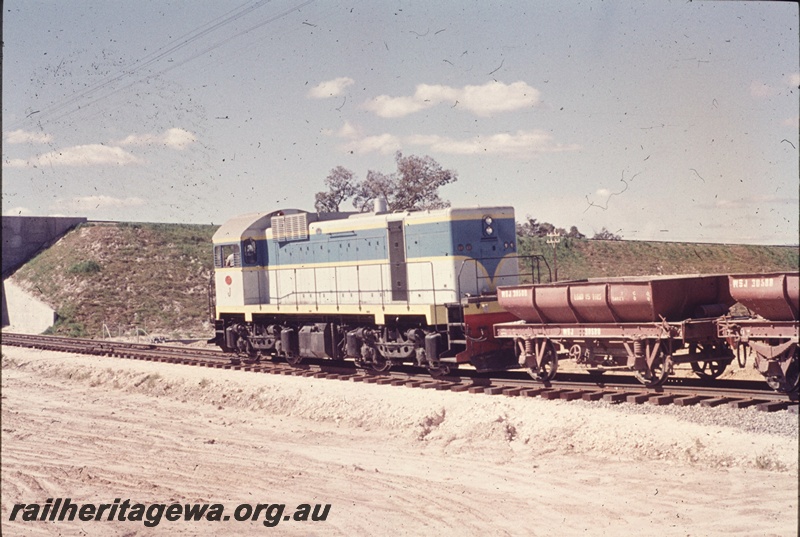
<point x="390" y="460"/>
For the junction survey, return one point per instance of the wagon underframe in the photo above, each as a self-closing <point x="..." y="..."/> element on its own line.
<point x="650" y="349"/>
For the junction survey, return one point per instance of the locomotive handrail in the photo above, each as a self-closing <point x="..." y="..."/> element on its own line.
<point x="533" y="260"/>
<point x="292" y="297"/>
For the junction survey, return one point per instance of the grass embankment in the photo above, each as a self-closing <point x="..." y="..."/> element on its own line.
<point x="151" y="276"/>
<point x="582" y="258"/>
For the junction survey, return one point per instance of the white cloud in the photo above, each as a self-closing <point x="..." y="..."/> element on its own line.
<point x="330" y="88"/>
<point x="792" y="122"/>
<point x="755" y="201"/>
<point x="384" y="143"/>
<point x="24" y="137"/>
<point x="79" y="155"/>
<point x="385" y="106"/>
<point x="86" y="203"/>
<point x="760" y="90"/>
<point x="521" y="143"/>
<point x="348" y="131"/>
<point x="15" y="163"/>
<point x="174" y="138"/>
<point x="17" y="211"/>
<point x="498" y="97"/>
<point x="484" y="100"/>
<point x="518" y="144"/>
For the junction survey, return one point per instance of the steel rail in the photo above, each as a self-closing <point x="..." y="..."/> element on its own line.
<point x="568" y="387"/>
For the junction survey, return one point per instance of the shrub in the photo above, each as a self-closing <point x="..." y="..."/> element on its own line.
<point x="84" y="267"/>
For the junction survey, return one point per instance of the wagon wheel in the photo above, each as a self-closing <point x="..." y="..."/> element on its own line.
<point x="548" y="365"/>
<point x="709" y="369"/>
<point x="657" y="374"/>
<point x="793" y="374"/>
<point x="719" y="359"/>
<point x="791" y="382"/>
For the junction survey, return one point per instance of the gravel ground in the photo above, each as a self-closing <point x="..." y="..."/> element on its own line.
<point x="390" y="460"/>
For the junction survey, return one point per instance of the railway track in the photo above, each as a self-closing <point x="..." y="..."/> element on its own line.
<point x="568" y="387"/>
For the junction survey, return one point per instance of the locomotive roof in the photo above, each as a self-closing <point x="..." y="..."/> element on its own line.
<point x="247" y="224"/>
<point x="254" y="224"/>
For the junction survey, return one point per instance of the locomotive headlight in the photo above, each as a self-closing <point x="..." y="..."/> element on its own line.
<point x="487" y="225"/>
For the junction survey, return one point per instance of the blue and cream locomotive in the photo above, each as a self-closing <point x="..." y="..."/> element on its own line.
<point x="380" y="288"/>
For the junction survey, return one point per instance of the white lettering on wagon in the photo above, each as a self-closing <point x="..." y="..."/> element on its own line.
<point x="744" y="283"/>
<point x="596" y="297"/>
<point x="514" y="293"/>
<point x="581" y="332"/>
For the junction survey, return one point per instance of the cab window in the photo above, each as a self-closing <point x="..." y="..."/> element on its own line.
<point x="250" y="257"/>
<point x="227" y="256"/>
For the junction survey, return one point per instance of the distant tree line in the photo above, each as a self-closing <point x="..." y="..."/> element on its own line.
<point x="533" y="228"/>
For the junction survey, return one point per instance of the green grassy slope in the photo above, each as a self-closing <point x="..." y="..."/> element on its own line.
<point x="153" y="276"/>
<point x="582" y="258"/>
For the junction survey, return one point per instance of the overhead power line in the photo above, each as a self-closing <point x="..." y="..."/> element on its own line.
<point x="96" y="92"/>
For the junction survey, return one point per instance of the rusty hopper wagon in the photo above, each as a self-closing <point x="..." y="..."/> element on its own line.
<point x="772" y="332"/>
<point x="643" y="324"/>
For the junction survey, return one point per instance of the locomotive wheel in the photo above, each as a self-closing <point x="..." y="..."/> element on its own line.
<point x="293" y="359"/>
<point x="380" y="364"/>
<point x="657" y="374"/>
<point x="252" y="357"/>
<point x="709" y="369"/>
<point x="548" y="366"/>
<point x="440" y="371"/>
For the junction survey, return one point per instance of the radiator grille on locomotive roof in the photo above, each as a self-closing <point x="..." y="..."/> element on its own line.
<point x="291" y="227"/>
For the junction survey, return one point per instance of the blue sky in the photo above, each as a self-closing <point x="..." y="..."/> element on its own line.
<point x="658" y="120"/>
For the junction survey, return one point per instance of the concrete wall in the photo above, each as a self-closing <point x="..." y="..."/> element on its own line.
<point x="25" y="236"/>
<point x="26" y="313"/>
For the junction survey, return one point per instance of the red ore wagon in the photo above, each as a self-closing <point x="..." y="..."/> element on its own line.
<point x="771" y="329"/>
<point x="644" y="324"/>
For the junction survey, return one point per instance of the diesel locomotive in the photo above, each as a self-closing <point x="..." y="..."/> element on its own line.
<point x="380" y="288"/>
